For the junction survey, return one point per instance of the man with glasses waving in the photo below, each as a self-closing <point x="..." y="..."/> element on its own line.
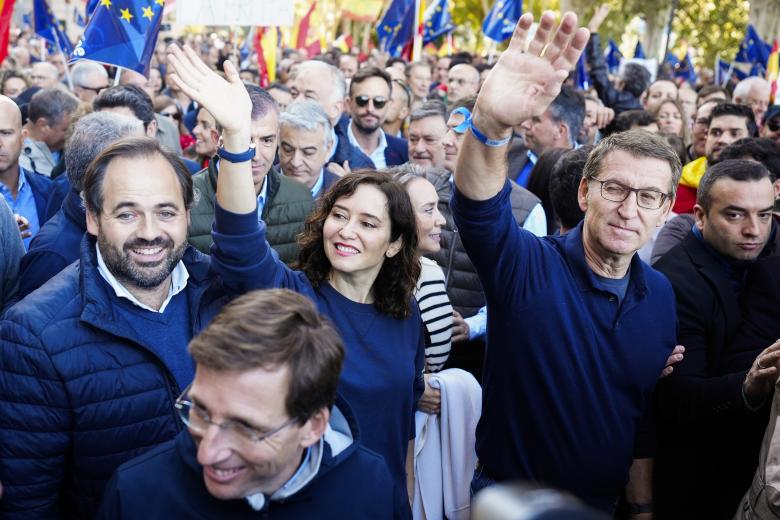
<point x="267" y="432"/>
<point x="579" y="328"/>
<point x="368" y="103"/>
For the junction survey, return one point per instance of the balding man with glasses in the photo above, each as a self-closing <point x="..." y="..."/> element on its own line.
<point x="368" y="103"/>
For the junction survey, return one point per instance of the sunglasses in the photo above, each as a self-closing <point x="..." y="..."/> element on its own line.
<point x="173" y="115"/>
<point x="379" y="101"/>
<point x="773" y="125"/>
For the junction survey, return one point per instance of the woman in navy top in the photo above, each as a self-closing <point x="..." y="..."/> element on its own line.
<point x="358" y="261"/>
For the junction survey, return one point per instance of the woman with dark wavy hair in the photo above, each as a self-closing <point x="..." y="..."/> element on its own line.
<point x="358" y="261"/>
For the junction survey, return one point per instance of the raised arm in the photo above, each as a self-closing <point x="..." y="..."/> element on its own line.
<point x="521" y="85"/>
<point x="229" y="103"/>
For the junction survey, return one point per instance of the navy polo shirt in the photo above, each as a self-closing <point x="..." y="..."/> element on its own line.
<point x="569" y="369"/>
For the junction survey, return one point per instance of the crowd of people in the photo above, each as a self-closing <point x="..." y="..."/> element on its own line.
<point x="376" y="287"/>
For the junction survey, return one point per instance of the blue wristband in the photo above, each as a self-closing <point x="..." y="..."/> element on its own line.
<point x="236" y="157"/>
<point x="482" y="138"/>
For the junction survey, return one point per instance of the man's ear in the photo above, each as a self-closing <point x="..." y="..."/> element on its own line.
<point x="582" y="194"/>
<point x="314" y="428"/>
<point x="699" y="216"/>
<point x="151" y="128"/>
<point x="93" y="224"/>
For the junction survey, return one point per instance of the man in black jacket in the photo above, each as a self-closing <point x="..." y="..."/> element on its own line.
<point x="708" y="433"/>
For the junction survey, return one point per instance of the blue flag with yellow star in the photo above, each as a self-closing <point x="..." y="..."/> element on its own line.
<point x="438" y="21"/>
<point x="396" y="28"/>
<point x="48" y="28"/>
<point x="500" y="22"/>
<point x="122" y="33"/>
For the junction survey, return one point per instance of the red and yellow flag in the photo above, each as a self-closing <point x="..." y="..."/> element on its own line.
<point x="265" y="44"/>
<point x="772" y="69"/>
<point x="6" y="11"/>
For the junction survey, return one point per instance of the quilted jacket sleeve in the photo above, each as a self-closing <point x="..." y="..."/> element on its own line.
<point x="35" y="425"/>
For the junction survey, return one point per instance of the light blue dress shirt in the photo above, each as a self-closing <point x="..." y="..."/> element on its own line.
<point x="23" y="205"/>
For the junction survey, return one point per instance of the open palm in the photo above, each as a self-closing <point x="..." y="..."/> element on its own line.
<point x="524" y="83"/>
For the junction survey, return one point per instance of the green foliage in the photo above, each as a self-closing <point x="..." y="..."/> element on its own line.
<point x="712" y="27"/>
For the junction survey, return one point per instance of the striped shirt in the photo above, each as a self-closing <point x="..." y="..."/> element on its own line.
<point x="436" y="313"/>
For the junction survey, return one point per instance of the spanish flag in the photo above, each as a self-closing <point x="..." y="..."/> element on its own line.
<point x="772" y="69"/>
<point x="6" y="11"/>
<point x="265" y="46"/>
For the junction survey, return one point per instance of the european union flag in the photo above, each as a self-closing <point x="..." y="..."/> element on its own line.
<point x="672" y="60"/>
<point x="438" y="21"/>
<point x="47" y="27"/>
<point x="685" y="70"/>
<point x="753" y="49"/>
<point x="639" y="52"/>
<point x="91" y="6"/>
<point x="500" y="22"/>
<point x="612" y="57"/>
<point x="122" y="33"/>
<point x="78" y="18"/>
<point x="396" y="28"/>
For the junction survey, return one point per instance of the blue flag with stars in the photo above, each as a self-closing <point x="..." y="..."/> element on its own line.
<point x="685" y="70"/>
<point x="438" y="21"/>
<point x="48" y="28"/>
<point x="500" y="22"/>
<point x="122" y="33"/>
<point x="396" y="28"/>
<point x="612" y="57"/>
<point x="639" y="52"/>
<point x="753" y="49"/>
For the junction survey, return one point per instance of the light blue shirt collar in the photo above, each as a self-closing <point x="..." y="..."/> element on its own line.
<point x="179" y="277"/>
<point x="317" y="188"/>
<point x="262" y="197"/>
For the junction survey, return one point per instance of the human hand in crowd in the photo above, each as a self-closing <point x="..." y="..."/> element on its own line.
<point x="24" y="225"/>
<point x="598" y="18"/>
<point x="675" y="357"/>
<point x="524" y="82"/>
<point x="226" y="100"/>
<point x="430" y="402"/>
<point x="761" y="378"/>
<point x="340" y="170"/>
<point x="604" y="116"/>
<point x="460" y="329"/>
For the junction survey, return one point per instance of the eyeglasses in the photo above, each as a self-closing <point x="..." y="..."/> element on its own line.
<point x="773" y="125"/>
<point x="198" y="420"/>
<point x="647" y="198"/>
<point x="379" y="101"/>
<point x="96" y="90"/>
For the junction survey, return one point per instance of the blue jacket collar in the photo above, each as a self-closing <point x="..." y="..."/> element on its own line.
<point x="73" y="208"/>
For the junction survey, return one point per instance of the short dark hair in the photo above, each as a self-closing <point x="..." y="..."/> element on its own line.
<point x="539" y="181"/>
<point x="761" y="149"/>
<point x="467" y="102"/>
<point x="131" y="148"/>
<point x="565" y="183"/>
<point x="393" y="61"/>
<point x="129" y="96"/>
<point x="636" y="79"/>
<point x="630" y="118"/>
<point x="736" y="169"/>
<point x="278" y="86"/>
<point x="52" y="104"/>
<point x="708" y="90"/>
<point x="395" y="284"/>
<point x="370" y="72"/>
<point x="741" y="170"/>
<point x="733" y="109"/>
<point x="568" y="107"/>
<point x="275" y="328"/>
<point x="262" y="101"/>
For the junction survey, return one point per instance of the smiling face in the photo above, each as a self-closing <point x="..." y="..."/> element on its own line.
<point x="618" y="229"/>
<point x="357" y="233"/>
<point x="142" y="228"/>
<point x="233" y="466"/>
<point x="429" y="219"/>
<point x="739" y="219"/>
<point x="206" y="135"/>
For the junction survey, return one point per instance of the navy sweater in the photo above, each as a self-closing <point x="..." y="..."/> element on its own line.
<point x="568" y="370"/>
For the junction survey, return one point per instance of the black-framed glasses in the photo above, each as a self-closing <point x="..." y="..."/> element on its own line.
<point x="647" y="198"/>
<point x="172" y="115"/>
<point x="378" y="101"/>
<point x="198" y="420"/>
<point x="96" y="90"/>
<point x="773" y="125"/>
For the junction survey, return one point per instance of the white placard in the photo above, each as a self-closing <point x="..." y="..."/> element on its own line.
<point x="264" y="13"/>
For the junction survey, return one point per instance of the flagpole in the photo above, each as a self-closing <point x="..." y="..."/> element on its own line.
<point x="65" y="61"/>
<point x="492" y="51"/>
<point x="418" y="34"/>
<point x="728" y="75"/>
<point x="117" y="75"/>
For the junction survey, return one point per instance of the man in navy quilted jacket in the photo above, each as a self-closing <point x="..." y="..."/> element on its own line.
<point x="91" y="363"/>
